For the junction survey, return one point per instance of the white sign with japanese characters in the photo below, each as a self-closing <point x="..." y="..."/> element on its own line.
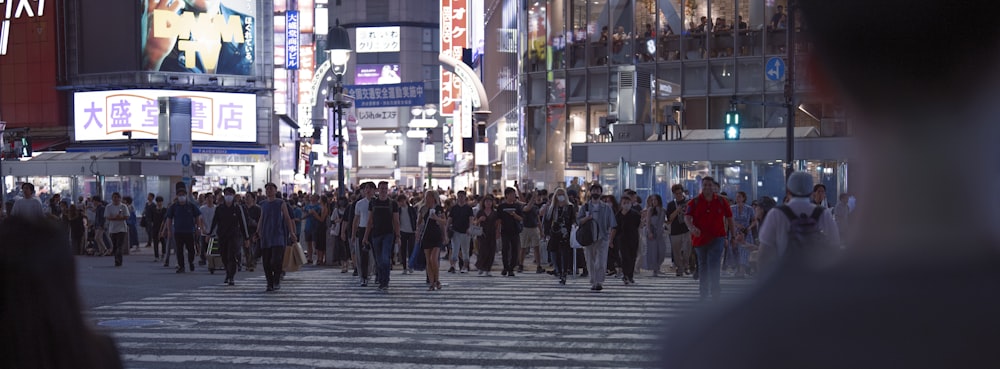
<point x="378" y="39"/>
<point x="215" y="116"/>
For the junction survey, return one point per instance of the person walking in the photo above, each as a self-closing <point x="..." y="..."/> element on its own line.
<point x="276" y="231"/>
<point x="381" y="232"/>
<point x="430" y="225"/>
<point x="207" y="215"/>
<point x="407" y="230"/>
<point x="743" y="218"/>
<point x="603" y="218"/>
<point x="531" y="237"/>
<point x="147" y="210"/>
<point x="559" y="218"/>
<point x="459" y="220"/>
<point x="155" y="219"/>
<point x="628" y="233"/>
<point x="511" y="215"/>
<point x="707" y="217"/>
<point x="362" y="250"/>
<point x="680" y="238"/>
<point x="251" y="248"/>
<point x="656" y="237"/>
<point x="183" y="222"/>
<point x="487" y="218"/>
<point x="131" y="224"/>
<point x="116" y="214"/>
<point x="230" y="227"/>
<point x="340" y="251"/>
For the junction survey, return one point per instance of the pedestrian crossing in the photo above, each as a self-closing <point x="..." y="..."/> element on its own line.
<point x="321" y="318"/>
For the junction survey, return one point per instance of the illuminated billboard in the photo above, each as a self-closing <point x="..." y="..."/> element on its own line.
<point x="215" y="116"/>
<point x="215" y="37"/>
<point x="377" y="74"/>
<point x="454" y="38"/>
<point x="377" y="39"/>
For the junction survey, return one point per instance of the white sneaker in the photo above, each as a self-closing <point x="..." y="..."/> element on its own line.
<point x="463" y="271"/>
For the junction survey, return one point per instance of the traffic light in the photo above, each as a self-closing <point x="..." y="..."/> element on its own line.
<point x="732" y="129"/>
<point x="25" y="147"/>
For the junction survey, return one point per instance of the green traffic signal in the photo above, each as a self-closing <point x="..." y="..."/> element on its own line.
<point x="732" y="129"/>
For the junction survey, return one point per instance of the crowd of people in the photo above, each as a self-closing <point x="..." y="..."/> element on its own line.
<point x="374" y="229"/>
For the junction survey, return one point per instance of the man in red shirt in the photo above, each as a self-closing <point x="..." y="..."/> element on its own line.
<point x="707" y="216"/>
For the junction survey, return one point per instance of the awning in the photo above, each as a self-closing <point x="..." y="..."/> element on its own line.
<point x="89" y="164"/>
<point x="49" y="144"/>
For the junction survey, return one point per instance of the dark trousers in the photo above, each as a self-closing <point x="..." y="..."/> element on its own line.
<point x="564" y="261"/>
<point x="364" y="255"/>
<point x="510" y="247"/>
<point x="628" y="252"/>
<point x="229" y="250"/>
<point x="272" y="258"/>
<point x="406" y="243"/>
<point x="182" y="241"/>
<point x="118" y="245"/>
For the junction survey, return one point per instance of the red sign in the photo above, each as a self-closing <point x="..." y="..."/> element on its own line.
<point x="454" y="38"/>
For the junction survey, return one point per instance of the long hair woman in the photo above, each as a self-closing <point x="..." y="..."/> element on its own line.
<point x="559" y="218"/>
<point x="41" y="319"/>
<point x="656" y="237"/>
<point x="489" y="219"/>
<point x="430" y="227"/>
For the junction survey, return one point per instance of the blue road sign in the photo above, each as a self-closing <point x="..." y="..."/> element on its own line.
<point x="185" y="160"/>
<point x="775" y="69"/>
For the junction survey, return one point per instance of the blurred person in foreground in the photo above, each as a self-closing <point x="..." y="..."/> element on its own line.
<point x="41" y="320"/>
<point x="916" y="291"/>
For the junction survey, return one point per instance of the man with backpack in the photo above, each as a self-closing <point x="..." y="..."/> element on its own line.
<point x="799" y="228"/>
<point x="597" y="227"/>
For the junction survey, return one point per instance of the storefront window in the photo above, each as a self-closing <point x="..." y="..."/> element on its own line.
<point x="623" y="32"/>
<point x="598" y="32"/>
<point x="770" y="180"/>
<point x="560" y="36"/>
<point x="690" y="175"/>
<point x="735" y="177"/>
<point x="576" y="35"/>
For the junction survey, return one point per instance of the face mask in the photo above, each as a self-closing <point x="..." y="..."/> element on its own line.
<point x="595" y="196"/>
<point x="182" y="200"/>
<point x="229" y="198"/>
<point x="561" y="198"/>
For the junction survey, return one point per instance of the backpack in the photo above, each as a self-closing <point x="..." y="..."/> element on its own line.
<point x="585" y="233"/>
<point x="804" y="235"/>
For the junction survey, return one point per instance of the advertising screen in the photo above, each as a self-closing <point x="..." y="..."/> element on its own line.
<point x="377" y="74"/>
<point x="193" y="36"/>
<point x="215" y="116"/>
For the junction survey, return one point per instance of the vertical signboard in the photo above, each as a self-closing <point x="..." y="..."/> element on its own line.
<point x="292" y="40"/>
<point x="454" y="38"/>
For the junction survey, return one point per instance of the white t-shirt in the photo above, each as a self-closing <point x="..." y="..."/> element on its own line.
<point x="207" y="214"/>
<point x="774" y="230"/>
<point x="361" y="212"/>
<point x="28" y="208"/>
<point x="115" y="226"/>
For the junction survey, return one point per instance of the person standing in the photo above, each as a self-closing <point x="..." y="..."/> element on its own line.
<point x="340" y="251"/>
<point x="147" y="210"/>
<point x="183" y="222"/>
<point x="510" y="230"/>
<point x="707" y="217"/>
<point x="131" y="224"/>
<point x="604" y="221"/>
<point x="430" y="225"/>
<point x="382" y="231"/>
<point x="680" y="237"/>
<point x="629" y="221"/>
<point x="743" y="217"/>
<point x="155" y="219"/>
<point x="275" y="231"/>
<point x="251" y="248"/>
<point x="459" y="220"/>
<point x="487" y="218"/>
<point x="656" y="238"/>
<point x="321" y="229"/>
<point x="311" y="214"/>
<point x="230" y="226"/>
<point x="116" y="214"/>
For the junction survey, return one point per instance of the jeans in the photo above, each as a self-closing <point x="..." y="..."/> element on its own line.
<point x="118" y="243"/>
<point x="597" y="261"/>
<point x="406" y="242"/>
<point x="364" y="255"/>
<point x="460" y="248"/>
<point x="710" y="267"/>
<point x="182" y="241"/>
<point x="382" y="246"/>
<point x="510" y="246"/>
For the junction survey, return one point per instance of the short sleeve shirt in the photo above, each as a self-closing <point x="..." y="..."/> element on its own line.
<point x="361" y="212"/>
<point x="382" y="212"/>
<point x="508" y="223"/>
<point x="460" y="215"/>
<point x="709" y="217"/>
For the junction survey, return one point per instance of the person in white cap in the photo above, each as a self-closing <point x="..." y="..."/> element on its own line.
<point x="774" y="232"/>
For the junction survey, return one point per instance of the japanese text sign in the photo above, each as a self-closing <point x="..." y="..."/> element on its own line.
<point x="454" y="38"/>
<point x="378" y="96"/>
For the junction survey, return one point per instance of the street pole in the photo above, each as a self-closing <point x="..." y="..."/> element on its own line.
<point x="3" y="179"/>
<point x="341" y="191"/>
<point x="790" y="89"/>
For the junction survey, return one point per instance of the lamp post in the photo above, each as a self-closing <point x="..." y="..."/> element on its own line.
<point x="338" y="52"/>
<point x="422" y="128"/>
<point x="3" y="180"/>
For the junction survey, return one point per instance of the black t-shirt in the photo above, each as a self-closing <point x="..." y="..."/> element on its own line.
<point x="460" y="217"/>
<point x="508" y="224"/>
<point x="382" y="212"/>
<point x="678" y="226"/>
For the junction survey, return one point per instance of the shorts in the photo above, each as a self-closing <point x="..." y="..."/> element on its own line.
<point x="530" y="238"/>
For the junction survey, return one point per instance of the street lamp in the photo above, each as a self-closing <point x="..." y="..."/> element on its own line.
<point x="338" y="52"/>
